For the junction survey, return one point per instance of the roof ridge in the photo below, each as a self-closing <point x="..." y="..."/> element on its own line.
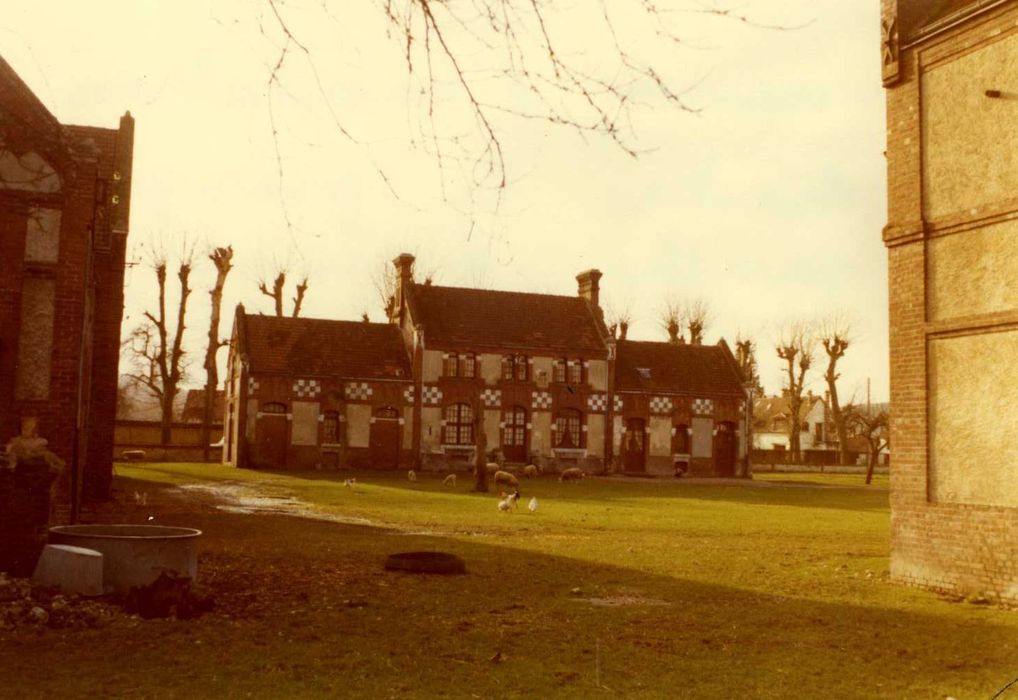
<point x="501" y="291"/>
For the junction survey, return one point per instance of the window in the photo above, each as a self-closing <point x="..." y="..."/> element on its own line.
<point x="570" y="371"/>
<point x="514" y="434"/>
<point x="451" y="365"/>
<point x="680" y="440"/>
<point x="522" y="368"/>
<point x="468" y="364"/>
<point x="459" y="425"/>
<point x="560" y="371"/>
<point x="330" y="428"/>
<point x="275" y="408"/>
<point x="567" y="429"/>
<point x="818" y="431"/>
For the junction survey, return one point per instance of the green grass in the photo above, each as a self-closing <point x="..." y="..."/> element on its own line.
<point x="763" y="590"/>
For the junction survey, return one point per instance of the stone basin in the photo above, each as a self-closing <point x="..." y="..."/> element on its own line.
<point x="134" y="555"/>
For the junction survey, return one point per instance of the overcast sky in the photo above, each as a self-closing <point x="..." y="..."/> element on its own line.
<point x="768" y="202"/>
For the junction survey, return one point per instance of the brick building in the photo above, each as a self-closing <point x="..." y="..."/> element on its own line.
<point x="64" y="206"/>
<point x="951" y="73"/>
<point x="540" y="374"/>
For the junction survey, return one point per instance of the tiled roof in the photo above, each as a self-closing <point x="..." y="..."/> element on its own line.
<point x="484" y="318"/>
<point x="766" y="408"/>
<point x="700" y="370"/>
<point x="317" y="347"/>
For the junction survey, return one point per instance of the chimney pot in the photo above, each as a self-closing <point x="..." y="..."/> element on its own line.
<point x="589" y="286"/>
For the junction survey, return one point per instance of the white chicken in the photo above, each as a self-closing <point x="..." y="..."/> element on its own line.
<point x="532" y="506"/>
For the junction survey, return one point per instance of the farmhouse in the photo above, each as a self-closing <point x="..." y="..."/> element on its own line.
<point x="540" y="374"/>
<point x="951" y="71"/>
<point x="64" y="204"/>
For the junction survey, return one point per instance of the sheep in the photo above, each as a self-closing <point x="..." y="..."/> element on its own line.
<point x="449" y="480"/>
<point x="492" y="467"/>
<point x="411" y="475"/>
<point x="506" y="478"/>
<point x="572" y="474"/>
<point x="530" y="471"/>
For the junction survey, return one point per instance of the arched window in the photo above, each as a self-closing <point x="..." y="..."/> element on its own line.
<point x="568" y="433"/>
<point x="274" y="408"/>
<point x="330" y="427"/>
<point x="680" y="439"/>
<point x="459" y="425"/>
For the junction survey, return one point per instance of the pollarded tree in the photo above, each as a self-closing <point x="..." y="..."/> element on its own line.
<point x="834" y="333"/>
<point x="277" y="293"/>
<point x="158" y="359"/>
<point x="697" y="320"/>
<point x="795" y="349"/>
<point x="222" y="258"/>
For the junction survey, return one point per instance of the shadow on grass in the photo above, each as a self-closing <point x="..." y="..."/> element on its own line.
<point x="286" y="626"/>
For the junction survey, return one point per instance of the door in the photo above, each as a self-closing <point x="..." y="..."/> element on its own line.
<point x="271" y="437"/>
<point x="383" y="440"/>
<point x="514" y="434"/>
<point x="725" y="449"/>
<point x="633" y="446"/>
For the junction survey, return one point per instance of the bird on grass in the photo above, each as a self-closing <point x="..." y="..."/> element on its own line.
<point x="533" y="504"/>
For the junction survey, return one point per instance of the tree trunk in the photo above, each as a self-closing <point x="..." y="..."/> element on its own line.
<point x="869" y="467"/>
<point x="221" y="257"/>
<point x="166" y="419"/>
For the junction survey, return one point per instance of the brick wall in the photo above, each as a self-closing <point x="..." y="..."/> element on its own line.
<point x="962" y="548"/>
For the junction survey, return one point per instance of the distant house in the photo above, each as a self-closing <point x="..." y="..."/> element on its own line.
<point x="539" y="374"/>
<point x="772" y="418"/>
<point x="64" y="206"/>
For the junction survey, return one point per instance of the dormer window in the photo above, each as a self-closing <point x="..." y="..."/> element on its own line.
<point x="644" y="372"/>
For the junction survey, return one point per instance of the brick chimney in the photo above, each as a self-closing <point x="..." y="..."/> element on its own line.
<point x="590" y="286"/>
<point x="404" y="264"/>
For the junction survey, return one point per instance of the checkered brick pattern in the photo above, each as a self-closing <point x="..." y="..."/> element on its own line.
<point x="252" y="385"/>
<point x="431" y="395"/>
<point x="660" y="404"/>
<point x="358" y="391"/>
<point x="408" y="394"/>
<point x="542" y="401"/>
<point x="307" y="388"/>
<point x="492" y="398"/>
<point x="618" y="403"/>
<point x="597" y="403"/>
<point x="703" y="407"/>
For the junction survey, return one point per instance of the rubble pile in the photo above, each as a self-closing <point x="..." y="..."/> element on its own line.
<point x="24" y="605"/>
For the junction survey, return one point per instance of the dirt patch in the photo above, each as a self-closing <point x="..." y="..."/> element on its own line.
<point x="239" y="498"/>
<point x="617" y="601"/>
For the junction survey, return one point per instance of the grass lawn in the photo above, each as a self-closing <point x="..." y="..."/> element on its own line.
<point x="766" y="590"/>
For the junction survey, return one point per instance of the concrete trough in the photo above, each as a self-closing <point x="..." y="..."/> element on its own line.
<point x="71" y="569"/>
<point x="134" y="555"/>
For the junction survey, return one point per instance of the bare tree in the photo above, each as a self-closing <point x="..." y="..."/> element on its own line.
<point x="745" y="355"/>
<point x="158" y="359"/>
<point x="873" y="428"/>
<point x="619" y="318"/>
<point x="795" y="348"/>
<point x="697" y="319"/>
<point x="834" y="333"/>
<point x="517" y="59"/>
<point x="672" y="318"/>
<point x="222" y="258"/>
<point x="277" y="292"/>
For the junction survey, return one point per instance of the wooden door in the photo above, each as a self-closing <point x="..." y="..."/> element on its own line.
<point x="383" y="440"/>
<point x="514" y="434"/>
<point x="725" y="449"/>
<point x="271" y="437"/>
<point x="634" y="446"/>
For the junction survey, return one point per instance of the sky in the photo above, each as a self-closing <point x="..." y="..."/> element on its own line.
<point x="767" y="201"/>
